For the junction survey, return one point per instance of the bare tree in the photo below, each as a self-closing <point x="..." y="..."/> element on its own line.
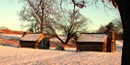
<point x="115" y="26"/>
<point x="101" y="29"/>
<point x="35" y="12"/>
<point x="70" y="27"/>
<point x="70" y="22"/>
<point x="118" y="26"/>
<point x="42" y="14"/>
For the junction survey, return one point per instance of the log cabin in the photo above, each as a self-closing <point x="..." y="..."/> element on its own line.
<point x="92" y="42"/>
<point x="96" y="42"/>
<point x="35" y="41"/>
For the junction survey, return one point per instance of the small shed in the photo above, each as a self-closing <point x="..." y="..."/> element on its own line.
<point x="92" y="42"/>
<point x="35" y="41"/>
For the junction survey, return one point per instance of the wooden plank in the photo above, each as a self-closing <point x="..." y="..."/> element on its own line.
<point x="104" y="48"/>
<point x="39" y="40"/>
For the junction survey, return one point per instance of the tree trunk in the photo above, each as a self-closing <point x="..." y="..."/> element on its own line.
<point x="68" y="39"/>
<point x="42" y="18"/>
<point x="41" y="26"/>
<point x="124" y="9"/>
<point x="59" y="39"/>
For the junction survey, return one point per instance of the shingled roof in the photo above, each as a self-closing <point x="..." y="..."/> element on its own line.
<point x="31" y="37"/>
<point x="93" y="37"/>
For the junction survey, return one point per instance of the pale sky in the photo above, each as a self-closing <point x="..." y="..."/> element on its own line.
<point x="9" y="15"/>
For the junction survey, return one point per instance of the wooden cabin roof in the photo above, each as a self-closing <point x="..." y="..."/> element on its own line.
<point x="32" y="37"/>
<point x="92" y="37"/>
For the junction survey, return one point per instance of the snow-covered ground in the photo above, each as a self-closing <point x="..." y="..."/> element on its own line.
<point x="27" y="56"/>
